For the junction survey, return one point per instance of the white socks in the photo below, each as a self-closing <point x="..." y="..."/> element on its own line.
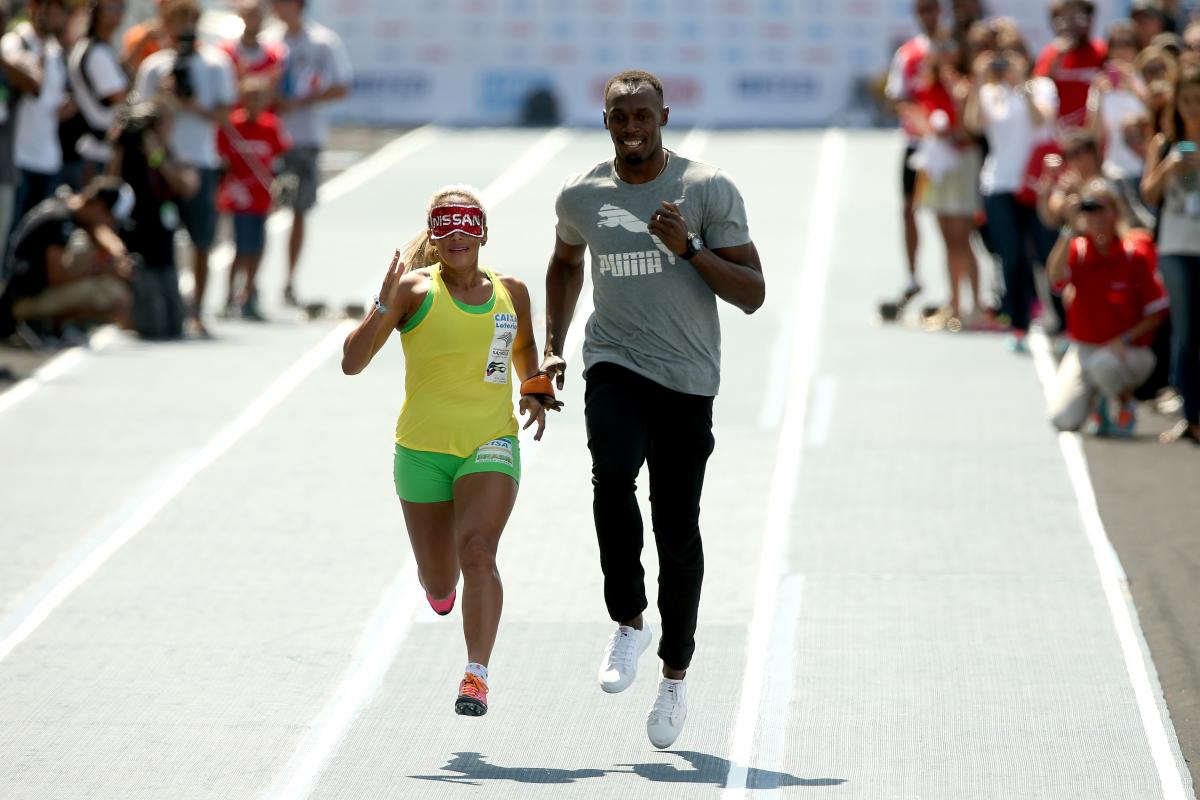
<point x="478" y="670"/>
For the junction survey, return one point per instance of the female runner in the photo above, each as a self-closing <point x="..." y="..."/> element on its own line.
<point x="457" y="464"/>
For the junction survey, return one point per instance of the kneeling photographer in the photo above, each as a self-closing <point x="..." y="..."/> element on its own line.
<point x="66" y="263"/>
<point x="142" y="158"/>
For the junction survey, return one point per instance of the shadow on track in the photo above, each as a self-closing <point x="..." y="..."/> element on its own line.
<point x="472" y="769"/>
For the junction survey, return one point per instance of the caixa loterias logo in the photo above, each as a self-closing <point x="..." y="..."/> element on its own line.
<point x="495" y="368"/>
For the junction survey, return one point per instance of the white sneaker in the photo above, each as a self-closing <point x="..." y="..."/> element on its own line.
<point x="625" y="646"/>
<point x="666" y="717"/>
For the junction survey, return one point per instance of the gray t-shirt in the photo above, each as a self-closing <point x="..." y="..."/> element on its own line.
<point x="316" y="60"/>
<point x="194" y="138"/>
<point x="654" y="314"/>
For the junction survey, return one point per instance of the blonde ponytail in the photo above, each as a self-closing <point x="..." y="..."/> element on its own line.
<point x="419" y="253"/>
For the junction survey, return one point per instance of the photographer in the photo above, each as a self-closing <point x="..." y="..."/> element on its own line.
<point x="1116" y="302"/>
<point x="51" y="283"/>
<point x="199" y="80"/>
<point x="143" y="159"/>
<point x="1015" y="113"/>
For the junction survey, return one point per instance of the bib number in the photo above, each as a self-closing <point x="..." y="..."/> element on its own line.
<point x="500" y="351"/>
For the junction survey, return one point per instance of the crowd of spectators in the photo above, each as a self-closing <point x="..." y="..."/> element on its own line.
<point x="110" y="151"/>
<point x="1077" y="170"/>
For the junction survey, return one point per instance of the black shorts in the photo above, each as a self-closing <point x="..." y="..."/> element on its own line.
<point x="909" y="174"/>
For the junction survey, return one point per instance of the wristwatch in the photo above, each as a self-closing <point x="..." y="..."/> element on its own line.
<point x="379" y="306"/>
<point x="694" y="245"/>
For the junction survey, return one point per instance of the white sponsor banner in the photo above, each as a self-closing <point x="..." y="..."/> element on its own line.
<point x="724" y="62"/>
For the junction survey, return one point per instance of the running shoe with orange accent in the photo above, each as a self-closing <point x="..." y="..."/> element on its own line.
<point x="472" y="696"/>
<point x="442" y="607"/>
<point x="1126" y="420"/>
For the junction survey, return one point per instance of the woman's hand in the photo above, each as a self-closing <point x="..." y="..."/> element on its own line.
<point x="532" y="405"/>
<point x="389" y="293"/>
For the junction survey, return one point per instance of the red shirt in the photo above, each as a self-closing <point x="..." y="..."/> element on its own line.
<point x="907" y="72"/>
<point x="268" y="59"/>
<point x="1073" y="77"/>
<point x="250" y="149"/>
<point x="1113" y="291"/>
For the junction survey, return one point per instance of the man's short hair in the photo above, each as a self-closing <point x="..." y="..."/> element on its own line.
<point x="632" y="79"/>
<point x="105" y="188"/>
<point x="173" y="8"/>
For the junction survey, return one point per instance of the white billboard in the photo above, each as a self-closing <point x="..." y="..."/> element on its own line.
<point x="739" y="63"/>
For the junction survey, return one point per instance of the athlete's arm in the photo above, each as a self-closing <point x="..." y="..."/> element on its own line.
<point x="564" y="282"/>
<point x="734" y="273"/>
<point x="525" y="353"/>
<point x="399" y="294"/>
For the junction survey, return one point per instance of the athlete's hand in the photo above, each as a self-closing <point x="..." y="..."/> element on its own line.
<point x="555" y="368"/>
<point x="670" y="227"/>
<point x="531" y="405"/>
<point x="389" y="293"/>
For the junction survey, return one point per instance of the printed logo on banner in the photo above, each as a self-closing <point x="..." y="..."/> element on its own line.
<point x="413" y="86"/>
<point x="777" y="86"/>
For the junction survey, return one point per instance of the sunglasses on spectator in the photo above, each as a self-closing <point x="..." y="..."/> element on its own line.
<point x="1092" y="205"/>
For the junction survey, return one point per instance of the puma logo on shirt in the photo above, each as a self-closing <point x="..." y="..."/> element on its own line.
<point x="636" y="263"/>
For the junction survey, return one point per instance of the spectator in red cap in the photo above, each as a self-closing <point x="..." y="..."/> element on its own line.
<point x="1117" y="301"/>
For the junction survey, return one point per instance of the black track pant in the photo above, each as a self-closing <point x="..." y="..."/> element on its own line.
<point x="631" y="420"/>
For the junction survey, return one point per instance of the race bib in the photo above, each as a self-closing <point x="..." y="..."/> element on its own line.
<point x="503" y="336"/>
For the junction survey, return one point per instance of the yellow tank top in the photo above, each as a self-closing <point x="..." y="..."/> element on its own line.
<point x="458" y="361"/>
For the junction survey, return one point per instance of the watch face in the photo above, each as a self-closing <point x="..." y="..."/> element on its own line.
<point x="696" y="242"/>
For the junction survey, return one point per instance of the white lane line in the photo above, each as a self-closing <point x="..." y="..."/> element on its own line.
<point x="771" y="413"/>
<point x="820" y="418"/>
<point x="381" y="641"/>
<point x="56" y="367"/>
<point x="806" y="327"/>
<point x="1160" y="734"/>
<point x="781" y="682"/>
<point x="530" y="162"/>
<point x="19" y="629"/>
<point x="376" y="650"/>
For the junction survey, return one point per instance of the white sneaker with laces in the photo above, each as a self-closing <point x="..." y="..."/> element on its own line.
<point x="666" y="717"/>
<point x="625" y="646"/>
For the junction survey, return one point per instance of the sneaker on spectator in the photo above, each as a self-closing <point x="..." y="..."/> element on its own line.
<point x="250" y="311"/>
<point x="289" y="296"/>
<point x="1015" y="342"/>
<point x="1099" y="423"/>
<point x="194" y="328"/>
<point x="230" y="311"/>
<point x="1126" y="420"/>
<point x="1168" y="402"/>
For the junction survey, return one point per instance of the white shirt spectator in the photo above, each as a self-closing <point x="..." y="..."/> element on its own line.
<point x="36" y="145"/>
<point x="1117" y="107"/>
<point x="194" y="139"/>
<point x="1011" y="132"/>
<point x="316" y="60"/>
<point x="94" y="78"/>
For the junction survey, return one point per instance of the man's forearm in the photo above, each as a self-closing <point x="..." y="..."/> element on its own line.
<point x="736" y="284"/>
<point x="564" y="282"/>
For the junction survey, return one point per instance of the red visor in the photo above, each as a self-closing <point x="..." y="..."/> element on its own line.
<point x="445" y="220"/>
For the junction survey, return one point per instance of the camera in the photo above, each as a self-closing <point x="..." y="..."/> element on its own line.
<point x="132" y="123"/>
<point x="181" y="73"/>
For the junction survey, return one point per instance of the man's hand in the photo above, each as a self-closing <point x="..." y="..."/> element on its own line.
<point x="555" y="368"/>
<point x="670" y="227"/>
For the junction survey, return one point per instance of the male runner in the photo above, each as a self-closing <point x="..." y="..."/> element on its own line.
<point x="668" y="236"/>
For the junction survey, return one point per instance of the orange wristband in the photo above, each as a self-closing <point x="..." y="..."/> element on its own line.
<point x="538" y="384"/>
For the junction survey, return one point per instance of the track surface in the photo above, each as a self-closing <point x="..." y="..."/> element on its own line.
<point x="207" y="591"/>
